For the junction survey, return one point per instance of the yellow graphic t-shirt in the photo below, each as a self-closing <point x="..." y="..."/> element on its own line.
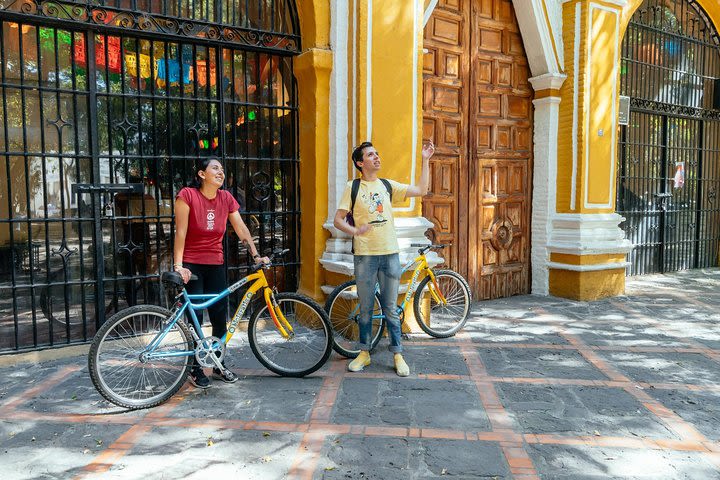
<point x="373" y="207"/>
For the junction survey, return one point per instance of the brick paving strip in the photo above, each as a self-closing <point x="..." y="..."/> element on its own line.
<point x="692" y="439"/>
<point x="521" y="466"/>
<point x="316" y="431"/>
<point x="504" y="431"/>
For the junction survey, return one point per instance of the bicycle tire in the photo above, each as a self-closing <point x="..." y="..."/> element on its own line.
<point x="53" y="300"/>
<point x="121" y="376"/>
<point x="312" y="335"/>
<point x="341" y="307"/>
<point x="444" y="320"/>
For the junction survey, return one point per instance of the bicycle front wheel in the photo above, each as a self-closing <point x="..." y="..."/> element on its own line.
<point x="441" y="316"/>
<point x="136" y="361"/>
<point x="343" y="309"/>
<point x="304" y="350"/>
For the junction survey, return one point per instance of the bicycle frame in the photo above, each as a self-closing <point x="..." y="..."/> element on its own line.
<point x="187" y="305"/>
<point x="421" y="266"/>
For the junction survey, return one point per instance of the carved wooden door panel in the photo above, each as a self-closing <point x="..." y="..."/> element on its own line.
<point x="482" y="182"/>
<point x="445" y="101"/>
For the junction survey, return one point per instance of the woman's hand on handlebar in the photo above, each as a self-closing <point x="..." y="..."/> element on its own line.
<point x="261" y="260"/>
<point x="184" y="273"/>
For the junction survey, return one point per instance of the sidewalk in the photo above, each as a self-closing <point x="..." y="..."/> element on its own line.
<point x="534" y="387"/>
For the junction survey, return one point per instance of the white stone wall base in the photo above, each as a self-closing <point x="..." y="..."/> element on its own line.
<point x="338" y="257"/>
<point x="588" y="234"/>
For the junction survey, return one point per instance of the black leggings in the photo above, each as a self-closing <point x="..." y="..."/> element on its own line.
<point x="211" y="279"/>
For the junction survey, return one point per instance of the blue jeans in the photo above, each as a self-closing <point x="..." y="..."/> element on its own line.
<point x="369" y="271"/>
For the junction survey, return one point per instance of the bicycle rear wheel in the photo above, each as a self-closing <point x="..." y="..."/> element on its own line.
<point x="120" y="372"/>
<point x="440" y="319"/>
<point x="305" y="350"/>
<point x="343" y="309"/>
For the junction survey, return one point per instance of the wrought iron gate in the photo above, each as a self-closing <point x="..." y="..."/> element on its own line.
<point x="669" y="153"/>
<point x="106" y="106"/>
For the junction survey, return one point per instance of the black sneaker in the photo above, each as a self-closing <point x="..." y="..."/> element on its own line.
<point x="198" y="378"/>
<point x="227" y="377"/>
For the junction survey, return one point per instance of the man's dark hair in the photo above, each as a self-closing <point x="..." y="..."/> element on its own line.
<point x="357" y="153"/>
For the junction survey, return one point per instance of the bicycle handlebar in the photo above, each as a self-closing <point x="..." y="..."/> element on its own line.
<point x="276" y="253"/>
<point x="424" y="248"/>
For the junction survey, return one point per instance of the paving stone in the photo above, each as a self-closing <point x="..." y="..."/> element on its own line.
<point x="561" y="462"/>
<point x="623" y="335"/>
<point x="701" y="409"/>
<point x="379" y="458"/>
<point x="446" y="404"/>
<point x="692" y="368"/>
<point x="45" y="450"/>
<point x="208" y="453"/>
<point x="580" y="410"/>
<point x="440" y="360"/>
<point x="391" y="420"/>
<point x="75" y="395"/>
<point x="502" y="332"/>
<point x="535" y="363"/>
<point x="267" y="399"/>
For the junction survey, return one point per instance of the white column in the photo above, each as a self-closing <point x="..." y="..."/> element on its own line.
<point x="545" y="139"/>
<point x="337" y="256"/>
<point x="337" y="134"/>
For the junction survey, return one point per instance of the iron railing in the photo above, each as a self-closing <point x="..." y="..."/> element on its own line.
<point x="670" y="66"/>
<point x="102" y="125"/>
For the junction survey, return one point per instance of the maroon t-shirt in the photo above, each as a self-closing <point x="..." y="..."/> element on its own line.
<point x="206" y="225"/>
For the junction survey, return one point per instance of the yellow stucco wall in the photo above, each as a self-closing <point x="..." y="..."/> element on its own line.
<point x="588" y="108"/>
<point x="392" y="33"/>
<point x="312" y="71"/>
<point x="589" y="285"/>
<point x="592" y="34"/>
<point x="396" y="45"/>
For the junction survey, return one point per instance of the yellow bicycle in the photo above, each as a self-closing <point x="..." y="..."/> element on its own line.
<point x="441" y="303"/>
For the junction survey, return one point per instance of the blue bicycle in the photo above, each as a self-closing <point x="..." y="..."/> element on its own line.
<point x="142" y="355"/>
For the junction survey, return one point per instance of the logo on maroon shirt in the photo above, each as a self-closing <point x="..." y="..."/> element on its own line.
<point x="210" y="219"/>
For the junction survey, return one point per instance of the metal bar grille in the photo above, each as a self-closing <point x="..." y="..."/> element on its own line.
<point x="100" y="131"/>
<point x="670" y="63"/>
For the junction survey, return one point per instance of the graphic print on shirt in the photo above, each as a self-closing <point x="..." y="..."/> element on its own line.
<point x="374" y="201"/>
<point x="210" y="219"/>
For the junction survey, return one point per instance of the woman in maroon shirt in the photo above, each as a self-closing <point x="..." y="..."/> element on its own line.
<point x="201" y="214"/>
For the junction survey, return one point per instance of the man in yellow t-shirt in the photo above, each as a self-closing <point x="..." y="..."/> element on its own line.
<point x="375" y="244"/>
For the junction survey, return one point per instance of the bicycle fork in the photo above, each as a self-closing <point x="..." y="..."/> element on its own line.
<point x="277" y="316"/>
<point x="435" y="289"/>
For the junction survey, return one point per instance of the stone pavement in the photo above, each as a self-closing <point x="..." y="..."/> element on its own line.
<point x="534" y="387"/>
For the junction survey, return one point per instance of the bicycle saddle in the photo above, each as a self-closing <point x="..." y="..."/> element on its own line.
<point x="174" y="278"/>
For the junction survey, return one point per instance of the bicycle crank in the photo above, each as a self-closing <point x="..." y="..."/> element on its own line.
<point x="206" y="349"/>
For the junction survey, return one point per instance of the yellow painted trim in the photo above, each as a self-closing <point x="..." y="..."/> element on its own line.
<point x="314" y="16"/>
<point x="570" y="259"/>
<point x="567" y="138"/>
<point x="552" y="38"/>
<point x="598" y="163"/>
<point x="312" y="71"/>
<point x="587" y="285"/>
<point x="548" y="92"/>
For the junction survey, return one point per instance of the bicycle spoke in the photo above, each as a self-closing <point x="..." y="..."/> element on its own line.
<point x="118" y="367"/>
<point x="305" y="349"/>
<point x="442" y="318"/>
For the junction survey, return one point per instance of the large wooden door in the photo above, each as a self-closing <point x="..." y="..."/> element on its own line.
<point x="478" y="111"/>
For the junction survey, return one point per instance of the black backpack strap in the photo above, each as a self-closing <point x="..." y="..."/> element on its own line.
<point x="353" y="196"/>
<point x="354" y="193"/>
<point x="388" y="187"/>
